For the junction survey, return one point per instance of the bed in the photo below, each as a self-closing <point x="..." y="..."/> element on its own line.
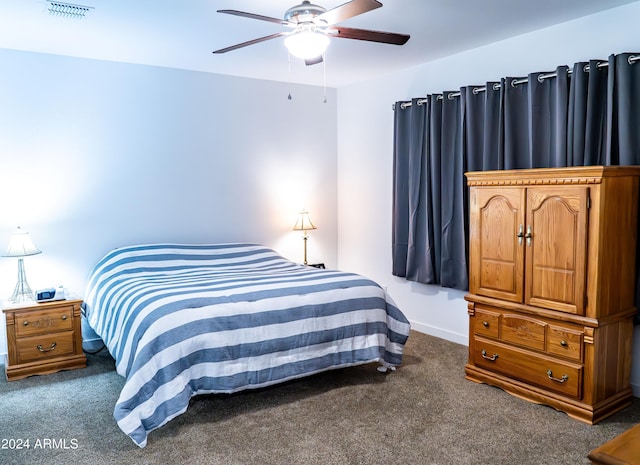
<point x="182" y="320"/>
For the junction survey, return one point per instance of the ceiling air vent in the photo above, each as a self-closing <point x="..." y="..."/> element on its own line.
<point x="68" y="10"/>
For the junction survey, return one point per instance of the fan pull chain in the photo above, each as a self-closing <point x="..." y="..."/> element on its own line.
<point x="324" y="78"/>
<point x="289" y="59"/>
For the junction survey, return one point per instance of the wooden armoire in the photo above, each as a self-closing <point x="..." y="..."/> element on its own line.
<point x="552" y="256"/>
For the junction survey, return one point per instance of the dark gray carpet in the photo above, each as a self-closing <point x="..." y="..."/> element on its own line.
<point x="424" y="413"/>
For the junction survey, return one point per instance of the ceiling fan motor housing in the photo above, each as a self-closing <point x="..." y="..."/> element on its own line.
<point x="303" y="13"/>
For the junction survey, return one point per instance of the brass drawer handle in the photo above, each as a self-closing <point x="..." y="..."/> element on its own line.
<point x="64" y="317"/>
<point x="485" y="324"/>
<point x="561" y="380"/>
<point x="53" y="346"/>
<point x="564" y="343"/>
<point x="493" y="358"/>
<point x="26" y="323"/>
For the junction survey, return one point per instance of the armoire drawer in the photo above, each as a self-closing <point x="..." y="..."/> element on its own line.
<point x="487" y="323"/>
<point x="523" y="331"/>
<point x="546" y="372"/>
<point x="565" y="342"/>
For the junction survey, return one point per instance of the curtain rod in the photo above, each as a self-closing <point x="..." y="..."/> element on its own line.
<point x="451" y="95"/>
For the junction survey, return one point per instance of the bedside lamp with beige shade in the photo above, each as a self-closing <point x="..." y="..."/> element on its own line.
<point x="304" y="224"/>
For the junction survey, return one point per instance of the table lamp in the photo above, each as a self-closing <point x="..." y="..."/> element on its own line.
<point x="20" y="246"/>
<point x="304" y="224"/>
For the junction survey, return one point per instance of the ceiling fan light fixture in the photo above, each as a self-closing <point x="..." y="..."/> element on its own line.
<point x="307" y="44"/>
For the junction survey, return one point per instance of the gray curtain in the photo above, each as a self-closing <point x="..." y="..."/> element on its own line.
<point x="589" y="115"/>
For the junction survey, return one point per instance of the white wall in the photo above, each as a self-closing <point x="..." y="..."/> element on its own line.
<point x="365" y="144"/>
<point x="95" y="155"/>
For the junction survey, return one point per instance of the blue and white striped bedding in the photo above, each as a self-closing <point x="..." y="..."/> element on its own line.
<point x="182" y="320"/>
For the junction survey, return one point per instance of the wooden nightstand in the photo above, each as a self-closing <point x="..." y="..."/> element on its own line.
<point x="43" y="338"/>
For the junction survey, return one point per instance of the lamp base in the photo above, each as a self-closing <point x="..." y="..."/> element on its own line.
<point x="305" y="238"/>
<point x="22" y="291"/>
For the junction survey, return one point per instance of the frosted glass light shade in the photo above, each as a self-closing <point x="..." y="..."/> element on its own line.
<point x="307" y="44"/>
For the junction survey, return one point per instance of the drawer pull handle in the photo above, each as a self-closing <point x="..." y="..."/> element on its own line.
<point x="564" y="343"/>
<point x="485" y="324"/>
<point x="557" y="380"/>
<point x="26" y="323"/>
<point x="41" y="349"/>
<point x="493" y="358"/>
<point x="64" y="317"/>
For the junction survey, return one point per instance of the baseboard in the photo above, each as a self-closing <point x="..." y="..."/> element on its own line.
<point x="441" y="333"/>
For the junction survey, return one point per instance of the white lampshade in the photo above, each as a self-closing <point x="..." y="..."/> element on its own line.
<point x="307" y="44"/>
<point x="21" y="245"/>
<point x="304" y="222"/>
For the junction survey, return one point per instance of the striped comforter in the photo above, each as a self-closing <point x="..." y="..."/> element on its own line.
<point x="182" y="320"/>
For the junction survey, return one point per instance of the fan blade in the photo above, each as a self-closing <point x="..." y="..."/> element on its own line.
<point x="348" y="10"/>
<point x="251" y="42"/>
<point x="371" y="36"/>
<point x="254" y="16"/>
<point x="313" y="61"/>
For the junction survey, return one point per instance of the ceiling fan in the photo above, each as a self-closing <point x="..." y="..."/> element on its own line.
<point x="313" y="26"/>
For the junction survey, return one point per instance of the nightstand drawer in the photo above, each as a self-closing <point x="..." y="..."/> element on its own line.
<point x="553" y="375"/>
<point x="50" y="345"/>
<point x="44" y="321"/>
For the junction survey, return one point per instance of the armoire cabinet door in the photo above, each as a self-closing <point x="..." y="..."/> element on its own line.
<point x="496" y="242"/>
<point x="556" y="246"/>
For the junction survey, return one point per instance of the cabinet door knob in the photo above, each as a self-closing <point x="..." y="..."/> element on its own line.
<point x="528" y="236"/>
<point x="520" y="234"/>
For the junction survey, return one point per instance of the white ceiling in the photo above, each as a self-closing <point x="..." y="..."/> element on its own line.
<point x="182" y="34"/>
